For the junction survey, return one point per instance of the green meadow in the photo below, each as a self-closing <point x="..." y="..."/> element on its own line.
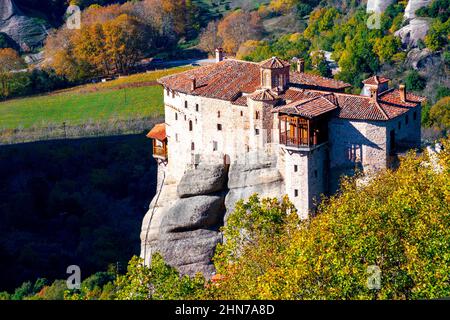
<point x="133" y="97"/>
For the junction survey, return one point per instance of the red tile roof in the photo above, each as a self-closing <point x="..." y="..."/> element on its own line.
<point x="309" y="108"/>
<point x="312" y="81"/>
<point x="226" y="80"/>
<point x="274" y="63"/>
<point x="375" y="80"/>
<point x="158" y="132"/>
<point x="263" y="95"/>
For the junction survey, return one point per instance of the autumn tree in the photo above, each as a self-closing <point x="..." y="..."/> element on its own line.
<point x="440" y="114"/>
<point x="238" y="27"/>
<point x="399" y="222"/>
<point x="209" y="39"/>
<point x="10" y="61"/>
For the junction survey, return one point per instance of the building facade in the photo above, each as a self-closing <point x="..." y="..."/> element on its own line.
<point x="234" y="110"/>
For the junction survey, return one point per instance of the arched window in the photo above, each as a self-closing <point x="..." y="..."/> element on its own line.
<point x="190" y="125"/>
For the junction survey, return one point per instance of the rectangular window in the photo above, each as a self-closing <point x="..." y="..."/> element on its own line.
<point x="296" y="193"/>
<point x="196" y="107"/>
<point x="295" y="168"/>
<point x="242" y="113"/>
<point x="176" y="116"/>
<point x="215" y="146"/>
<point x="185" y="104"/>
<point x="257" y="132"/>
<point x="176" y="137"/>
<point x="219" y="127"/>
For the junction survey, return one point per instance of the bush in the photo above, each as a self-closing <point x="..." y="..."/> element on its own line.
<point x="414" y="81"/>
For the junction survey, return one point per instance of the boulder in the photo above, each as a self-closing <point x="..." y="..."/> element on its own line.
<point x="200" y="212"/>
<point x="413" y="32"/>
<point x="205" y="179"/>
<point x="419" y="59"/>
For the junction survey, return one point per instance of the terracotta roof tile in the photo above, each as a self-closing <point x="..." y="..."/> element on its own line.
<point x="263" y="95"/>
<point x="375" y="80"/>
<point x="312" y="81"/>
<point x="309" y="108"/>
<point x="158" y="132"/>
<point x="274" y="63"/>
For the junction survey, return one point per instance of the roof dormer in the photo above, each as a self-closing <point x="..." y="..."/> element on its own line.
<point x="379" y="84"/>
<point x="274" y="74"/>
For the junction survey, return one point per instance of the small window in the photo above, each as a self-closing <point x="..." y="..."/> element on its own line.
<point x="195" y="120"/>
<point x="406" y="120"/>
<point x="315" y="173"/>
<point x="242" y="113"/>
<point x="219" y="127"/>
<point x="190" y="125"/>
<point x="215" y="146"/>
<point x="192" y="146"/>
<point x="296" y="193"/>
<point x="399" y="125"/>
<point x="257" y="132"/>
<point x="218" y="114"/>
<point x="196" y="107"/>
<point x="176" y="116"/>
<point x="176" y="137"/>
<point x="257" y="115"/>
<point x="415" y="115"/>
<point x="295" y="168"/>
<point x="167" y="91"/>
<point x="185" y="118"/>
<point x="185" y="104"/>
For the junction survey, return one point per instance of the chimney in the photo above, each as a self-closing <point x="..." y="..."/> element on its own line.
<point x="301" y="65"/>
<point x="219" y="55"/>
<point x="193" y="84"/>
<point x="402" y="90"/>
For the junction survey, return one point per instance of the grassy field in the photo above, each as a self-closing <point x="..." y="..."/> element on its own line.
<point x="132" y="97"/>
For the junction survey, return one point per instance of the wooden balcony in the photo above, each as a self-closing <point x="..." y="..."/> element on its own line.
<point x="160" y="151"/>
<point x="303" y="134"/>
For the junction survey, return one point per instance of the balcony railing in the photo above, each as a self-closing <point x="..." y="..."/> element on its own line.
<point x="288" y="140"/>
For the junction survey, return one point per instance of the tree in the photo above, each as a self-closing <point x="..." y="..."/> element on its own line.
<point x="209" y="39"/>
<point x="157" y="282"/>
<point x="399" y="222"/>
<point x="385" y="48"/>
<point x="414" y="81"/>
<point x="10" y="61"/>
<point x="238" y="27"/>
<point x="440" y="114"/>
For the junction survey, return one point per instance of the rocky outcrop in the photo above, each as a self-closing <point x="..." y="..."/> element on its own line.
<point x="417" y="27"/>
<point x="184" y="220"/>
<point x="183" y="224"/>
<point x="419" y="59"/>
<point x="413" y="32"/>
<point x="248" y="178"/>
<point x="378" y="6"/>
<point x="28" y="32"/>
<point x="413" y="6"/>
<point x="203" y="180"/>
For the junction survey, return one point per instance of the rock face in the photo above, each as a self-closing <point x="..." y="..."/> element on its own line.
<point x="419" y="59"/>
<point x="184" y="220"/>
<point x="417" y="27"/>
<point x="183" y="223"/>
<point x="26" y="31"/>
<point x="378" y="6"/>
<point x="203" y="180"/>
<point x="413" y="6"/>
<point x="413" y="32"/>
